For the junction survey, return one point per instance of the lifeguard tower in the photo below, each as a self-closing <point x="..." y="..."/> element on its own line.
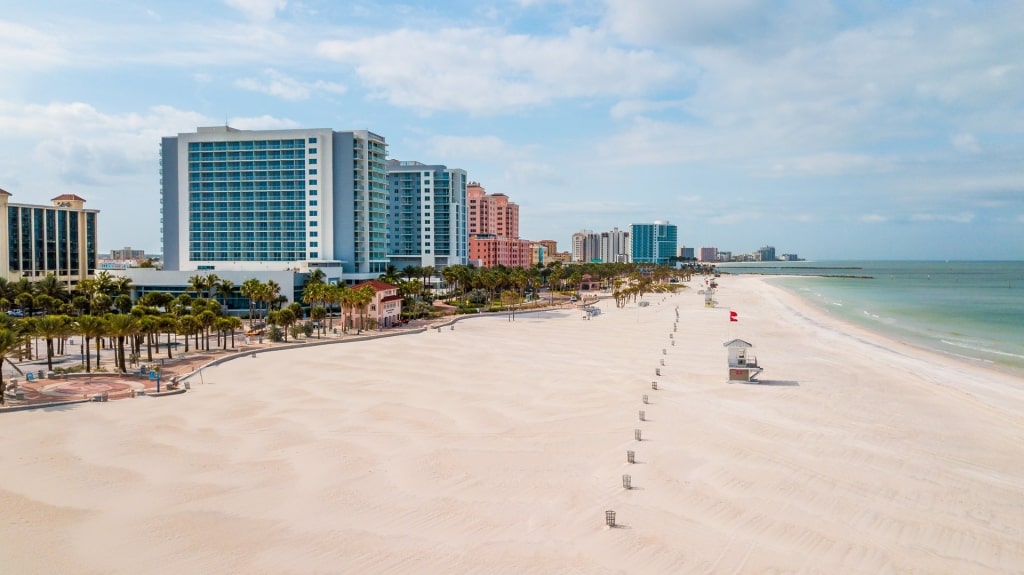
<point x="709" y="297"/>
<point x="742" y="365"/>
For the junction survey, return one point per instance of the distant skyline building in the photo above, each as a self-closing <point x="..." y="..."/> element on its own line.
<point x="427" y="219"/>
<point x="709" y="254"/>
<point x="60" y="239"/>
<point x="606" y="247"/>
<point x="493" y="223"/>
<point x="127" y="253"/>
<point x="654" y="243"/>
<point x="686" y="254"/>
<point x="491" y="214"/>
<point x="489" y="250"/>
<point x="615" y="247"/>
<point x="766" y="254"/>
<point x="275" y="199"/>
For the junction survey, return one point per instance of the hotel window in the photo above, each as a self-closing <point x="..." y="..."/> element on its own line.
<point x="312" y="182"/>
<point x="312" y="202"/>
<point x="314" y="255"/>
<point x="312" y="213"/>
<point x="312" y="171"/>
<point x="312" y="192"/>
<point x="313" y="244"/>
<point x="312" y="150"/>
<point x="312" y="224"/>
<point x="312" y="161"/>
<point x="312" y="140"/>
<point x="312" y="234"/>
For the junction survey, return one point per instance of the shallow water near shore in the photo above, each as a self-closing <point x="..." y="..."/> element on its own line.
<point x="970" y="310"/>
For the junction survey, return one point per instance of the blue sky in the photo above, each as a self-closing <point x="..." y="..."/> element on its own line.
<point x="836" y="130"/>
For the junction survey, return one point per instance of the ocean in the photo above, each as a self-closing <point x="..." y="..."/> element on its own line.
<point x="970" y="310"/>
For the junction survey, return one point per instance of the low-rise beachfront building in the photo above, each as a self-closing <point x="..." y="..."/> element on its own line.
<point x="487" y="251"/>
<point x="178" y="282"/>
<point x="60" y="239"/>
<point x="385" y="309"/>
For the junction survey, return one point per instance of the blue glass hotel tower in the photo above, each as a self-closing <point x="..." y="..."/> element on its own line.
<point x="653" y="243"/>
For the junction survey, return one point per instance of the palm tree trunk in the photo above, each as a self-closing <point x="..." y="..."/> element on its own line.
<point x="120" y="354"/>
<point x="88" y="356"/>
<point x="169" y="346"/>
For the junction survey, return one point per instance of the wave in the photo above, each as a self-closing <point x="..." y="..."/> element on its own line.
<point x="981" y="349"/>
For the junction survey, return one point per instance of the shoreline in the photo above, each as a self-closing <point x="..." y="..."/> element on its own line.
<point x="498" y="446"/>
<point x="922" y="343"/>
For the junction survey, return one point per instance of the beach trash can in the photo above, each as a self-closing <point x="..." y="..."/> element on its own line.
<point x="39" y="374"/>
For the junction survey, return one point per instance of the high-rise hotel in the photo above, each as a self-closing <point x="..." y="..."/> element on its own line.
<point x="59" y="239"/>
<point x="653" y="243"/>
<point x="427" y="219"/>
<point x="274" y="200"/>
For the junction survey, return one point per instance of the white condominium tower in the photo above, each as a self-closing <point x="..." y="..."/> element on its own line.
<point x="275" y="199"/>
<point x="427" y="219"/>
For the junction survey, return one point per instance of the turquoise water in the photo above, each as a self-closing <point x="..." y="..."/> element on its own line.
<point x="971" y="310"/>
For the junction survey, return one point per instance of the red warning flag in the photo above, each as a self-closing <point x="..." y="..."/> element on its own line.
<point x="732" y="316"/>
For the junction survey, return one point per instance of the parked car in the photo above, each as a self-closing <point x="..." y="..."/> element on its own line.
<point x="15" y="313"/>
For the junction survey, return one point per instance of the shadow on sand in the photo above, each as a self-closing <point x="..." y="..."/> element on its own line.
<point x="774" y="382"/>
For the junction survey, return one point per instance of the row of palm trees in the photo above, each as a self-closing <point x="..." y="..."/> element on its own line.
<point x="153" y="316"/>
<point x="322" y="297"/>
<point x="496" y="281"/>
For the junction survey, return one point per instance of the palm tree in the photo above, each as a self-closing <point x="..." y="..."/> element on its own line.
<point x="11" y="342"/>
<point x="212" y="284"/>
<point x="197" y="285"/>
<point x="224" y="289"/>
<point x="391" y="275"/>
<point x="273" y="293"/>
<point x="89" y="327"/>
<point x="223" y="325"/>
<point x="149" y="328"/>
<point x="49" y="327"/>
<point x="427" y="272"/>
<point x="317" y="276"/>
<point x="51" y="286"/>
<point x="168" y="325"/>
<point x="236" y="324"/>
<point x="207" y="319"/>
<point x="251" y="289"/>
<point x="187" y="326"/>
<point x="286" y="318"/>
<point x="363" y="297"/>
<point x="121" y="326"/>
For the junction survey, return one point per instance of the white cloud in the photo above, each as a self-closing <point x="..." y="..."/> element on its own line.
<point x="86" y="146"/>
<point x="629" y="108"/>
<point x="966" y="143"/>
<point x="285" y="87"/>
<point x="471" y="147"/>
<point x="536" y="174"/>
<point x="874" y="219"/>
<point x="485" y="71"/>
<point x="25" y="47"/>
<point x="829" y="164"/>
<point x="258" y="9"/>
<point x="264" y="122"/>
<point x="959" y="218"/>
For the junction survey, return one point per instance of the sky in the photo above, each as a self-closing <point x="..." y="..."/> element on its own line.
<point x="875" y="129"/>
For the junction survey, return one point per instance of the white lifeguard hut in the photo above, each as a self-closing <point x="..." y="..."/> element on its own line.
<point x="742" y="365"/>
<point x="709" y="297"/>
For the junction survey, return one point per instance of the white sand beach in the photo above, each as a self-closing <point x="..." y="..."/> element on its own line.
<point x="497" y="447"/>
